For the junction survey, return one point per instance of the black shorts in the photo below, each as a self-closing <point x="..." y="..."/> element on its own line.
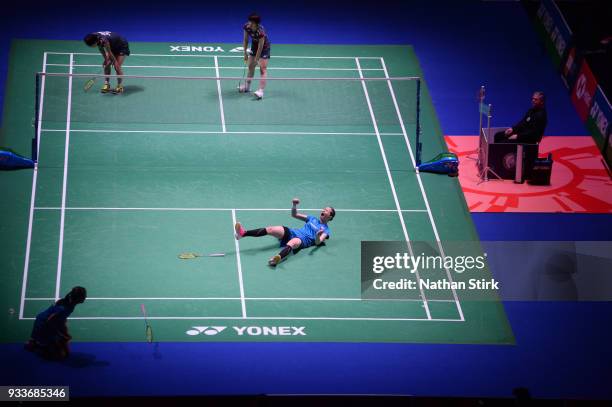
<point x="265" y="53"/>
<point x="286" y="237"/>
<point x="123" y="48"/>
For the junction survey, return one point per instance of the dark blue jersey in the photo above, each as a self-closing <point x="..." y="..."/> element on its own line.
<point x="117" y="44"/>
<point x="256" y="36"/>
<point x="51" y="323"/>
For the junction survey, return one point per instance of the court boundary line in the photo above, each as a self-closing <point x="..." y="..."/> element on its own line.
<point x="239" y="266"/>
<point x="272" y="133"/>
<point x="236" y="78"/>
<point x="246" y="299"/>
<point x="218" y="55"/>
<point x="390" y="177"/>
<point x="277" y="68"/>
<point x="420" y="182"/>
<point x="68" y="130"/>
<point x="244" y="317"/>
<point x="220" y="95"/>
<point x="266" y="318"/>
<point x="93" y="208"/>
<point x="26" y="266"/>
<point x="60" y="254"/>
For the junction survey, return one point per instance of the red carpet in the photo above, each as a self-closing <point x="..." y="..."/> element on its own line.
<point x="579" y="181"/>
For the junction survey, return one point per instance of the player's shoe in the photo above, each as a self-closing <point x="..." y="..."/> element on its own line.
<point x="106" y="88"/>
<point x="118" y="90"/>
<point x="239" y="231"/>
<point x="258" y="94"/>
<point x="274" y="260"/>
<point x="244" y="88"/>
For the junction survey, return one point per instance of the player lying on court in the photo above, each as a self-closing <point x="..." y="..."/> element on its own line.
<point x="314" y="232"/>
<point x="50" y="335"/>
<point x="114" y="48"/>
<point x="260" y="53"/>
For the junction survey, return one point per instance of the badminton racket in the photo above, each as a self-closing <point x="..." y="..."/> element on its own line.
<point x="148" y="329"/>
<point x="249" y="53"/>
<point x="89" y="84"/>
<point x="188" y="256"/>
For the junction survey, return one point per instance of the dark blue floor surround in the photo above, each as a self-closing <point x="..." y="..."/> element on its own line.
<point x="554" y="357"/>
<point x="562" y="350"/>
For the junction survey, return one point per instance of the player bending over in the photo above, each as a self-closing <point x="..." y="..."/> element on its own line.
<point x="260" y="53"/>
<point x="314" y="232"/>
<point x="50" y="335"/>
<point x="114" y="48"/>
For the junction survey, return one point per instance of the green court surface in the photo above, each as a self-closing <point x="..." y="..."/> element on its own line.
<point x="127" y="182"/>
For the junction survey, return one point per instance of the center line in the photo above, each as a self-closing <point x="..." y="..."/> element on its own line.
<point x="239" y="264"/>
<point x="219" y="92"/>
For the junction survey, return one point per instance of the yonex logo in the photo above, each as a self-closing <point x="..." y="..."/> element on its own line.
<point x="250" y="330"/>
<point x="202" y="48"/>
<point x="205" y="330"/>
<point x="270" y="330"/>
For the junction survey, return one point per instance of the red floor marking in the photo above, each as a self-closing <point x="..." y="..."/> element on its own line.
<point x="579" y="181"/>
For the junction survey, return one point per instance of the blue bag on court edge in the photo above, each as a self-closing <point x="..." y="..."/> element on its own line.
<point x="10" y="160"/>
<point x="444" y="163"/>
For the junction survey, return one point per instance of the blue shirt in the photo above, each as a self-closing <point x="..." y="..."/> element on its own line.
<point x="44" y="330"/>
<point x="307" y="233"/>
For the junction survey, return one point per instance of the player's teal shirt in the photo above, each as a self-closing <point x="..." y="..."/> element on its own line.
<point x="307" y="233"/>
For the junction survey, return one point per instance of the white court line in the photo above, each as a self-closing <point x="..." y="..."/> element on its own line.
<point x="211" y="56"/>
<point x="26" y="266"/>
<point x="64" y="186"/>
<point x="395" y="198"/>
<point x="305" y="133"/>
<point x="423" y="193"/>
<point x="211" y="78"/>
<point x="246" y="298"/>
<point x="269" y="318"/>
<point x="93" y="208"/>
<point x="277" y="68"/>
<point x="220" y="97"/>
<point x="239" y="264"/>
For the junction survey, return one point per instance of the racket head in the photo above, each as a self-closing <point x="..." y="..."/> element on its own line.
<point x="187" y="256"/>
<point x="149" y="334"/>
<point x="89" y="84"/>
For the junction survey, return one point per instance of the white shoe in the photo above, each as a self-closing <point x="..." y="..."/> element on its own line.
<point x="244" y="88"/>
<point x="258" y="93"/>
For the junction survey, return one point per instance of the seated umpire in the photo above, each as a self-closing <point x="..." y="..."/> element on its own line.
<point x="531" y="127"/>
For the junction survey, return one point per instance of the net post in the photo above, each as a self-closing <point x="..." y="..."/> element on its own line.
<point x="36" y="115"/>
<point x="418" y="123"/>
